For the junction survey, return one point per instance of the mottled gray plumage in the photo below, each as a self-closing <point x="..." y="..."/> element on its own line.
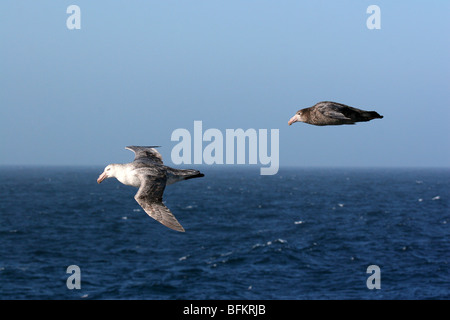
<point x="148" y="173"/>
<point x="328" y="113"/>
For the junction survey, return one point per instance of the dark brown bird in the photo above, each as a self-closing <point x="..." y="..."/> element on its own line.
<point x="327" y="113"/>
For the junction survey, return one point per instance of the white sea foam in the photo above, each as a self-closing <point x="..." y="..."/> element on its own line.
<point x="269" y="243"/>
<point x="276" y="241"/>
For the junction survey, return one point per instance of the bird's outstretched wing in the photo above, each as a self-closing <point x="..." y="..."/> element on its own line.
<point x="149" y="197"/>
<point x="146" y="154"/>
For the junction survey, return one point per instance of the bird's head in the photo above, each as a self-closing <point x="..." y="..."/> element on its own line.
<point x="297" y="117"/>
<point x="109" y="172"/>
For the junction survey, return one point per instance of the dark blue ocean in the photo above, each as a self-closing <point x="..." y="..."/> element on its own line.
<point x="301" y="234"/>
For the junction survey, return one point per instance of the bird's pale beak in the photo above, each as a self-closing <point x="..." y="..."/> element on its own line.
<point x="102" y="177"/>
<point x="294" y="119"/>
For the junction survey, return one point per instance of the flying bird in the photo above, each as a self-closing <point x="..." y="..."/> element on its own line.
<point x="327" y="113"/>
<point x="148" y="173"/>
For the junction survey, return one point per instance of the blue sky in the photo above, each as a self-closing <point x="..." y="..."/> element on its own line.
<point x="138" y="70"/>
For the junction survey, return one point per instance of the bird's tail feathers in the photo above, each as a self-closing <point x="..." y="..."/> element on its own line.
<point x="191" y="173"/>
<point x="175" y="175"/>
<point x="374" y="115"/>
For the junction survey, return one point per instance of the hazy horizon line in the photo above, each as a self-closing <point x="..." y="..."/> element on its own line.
<point x="241" y="166"/>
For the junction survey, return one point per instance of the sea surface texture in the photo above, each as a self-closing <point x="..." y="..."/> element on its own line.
<point x="300" y="234"/>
